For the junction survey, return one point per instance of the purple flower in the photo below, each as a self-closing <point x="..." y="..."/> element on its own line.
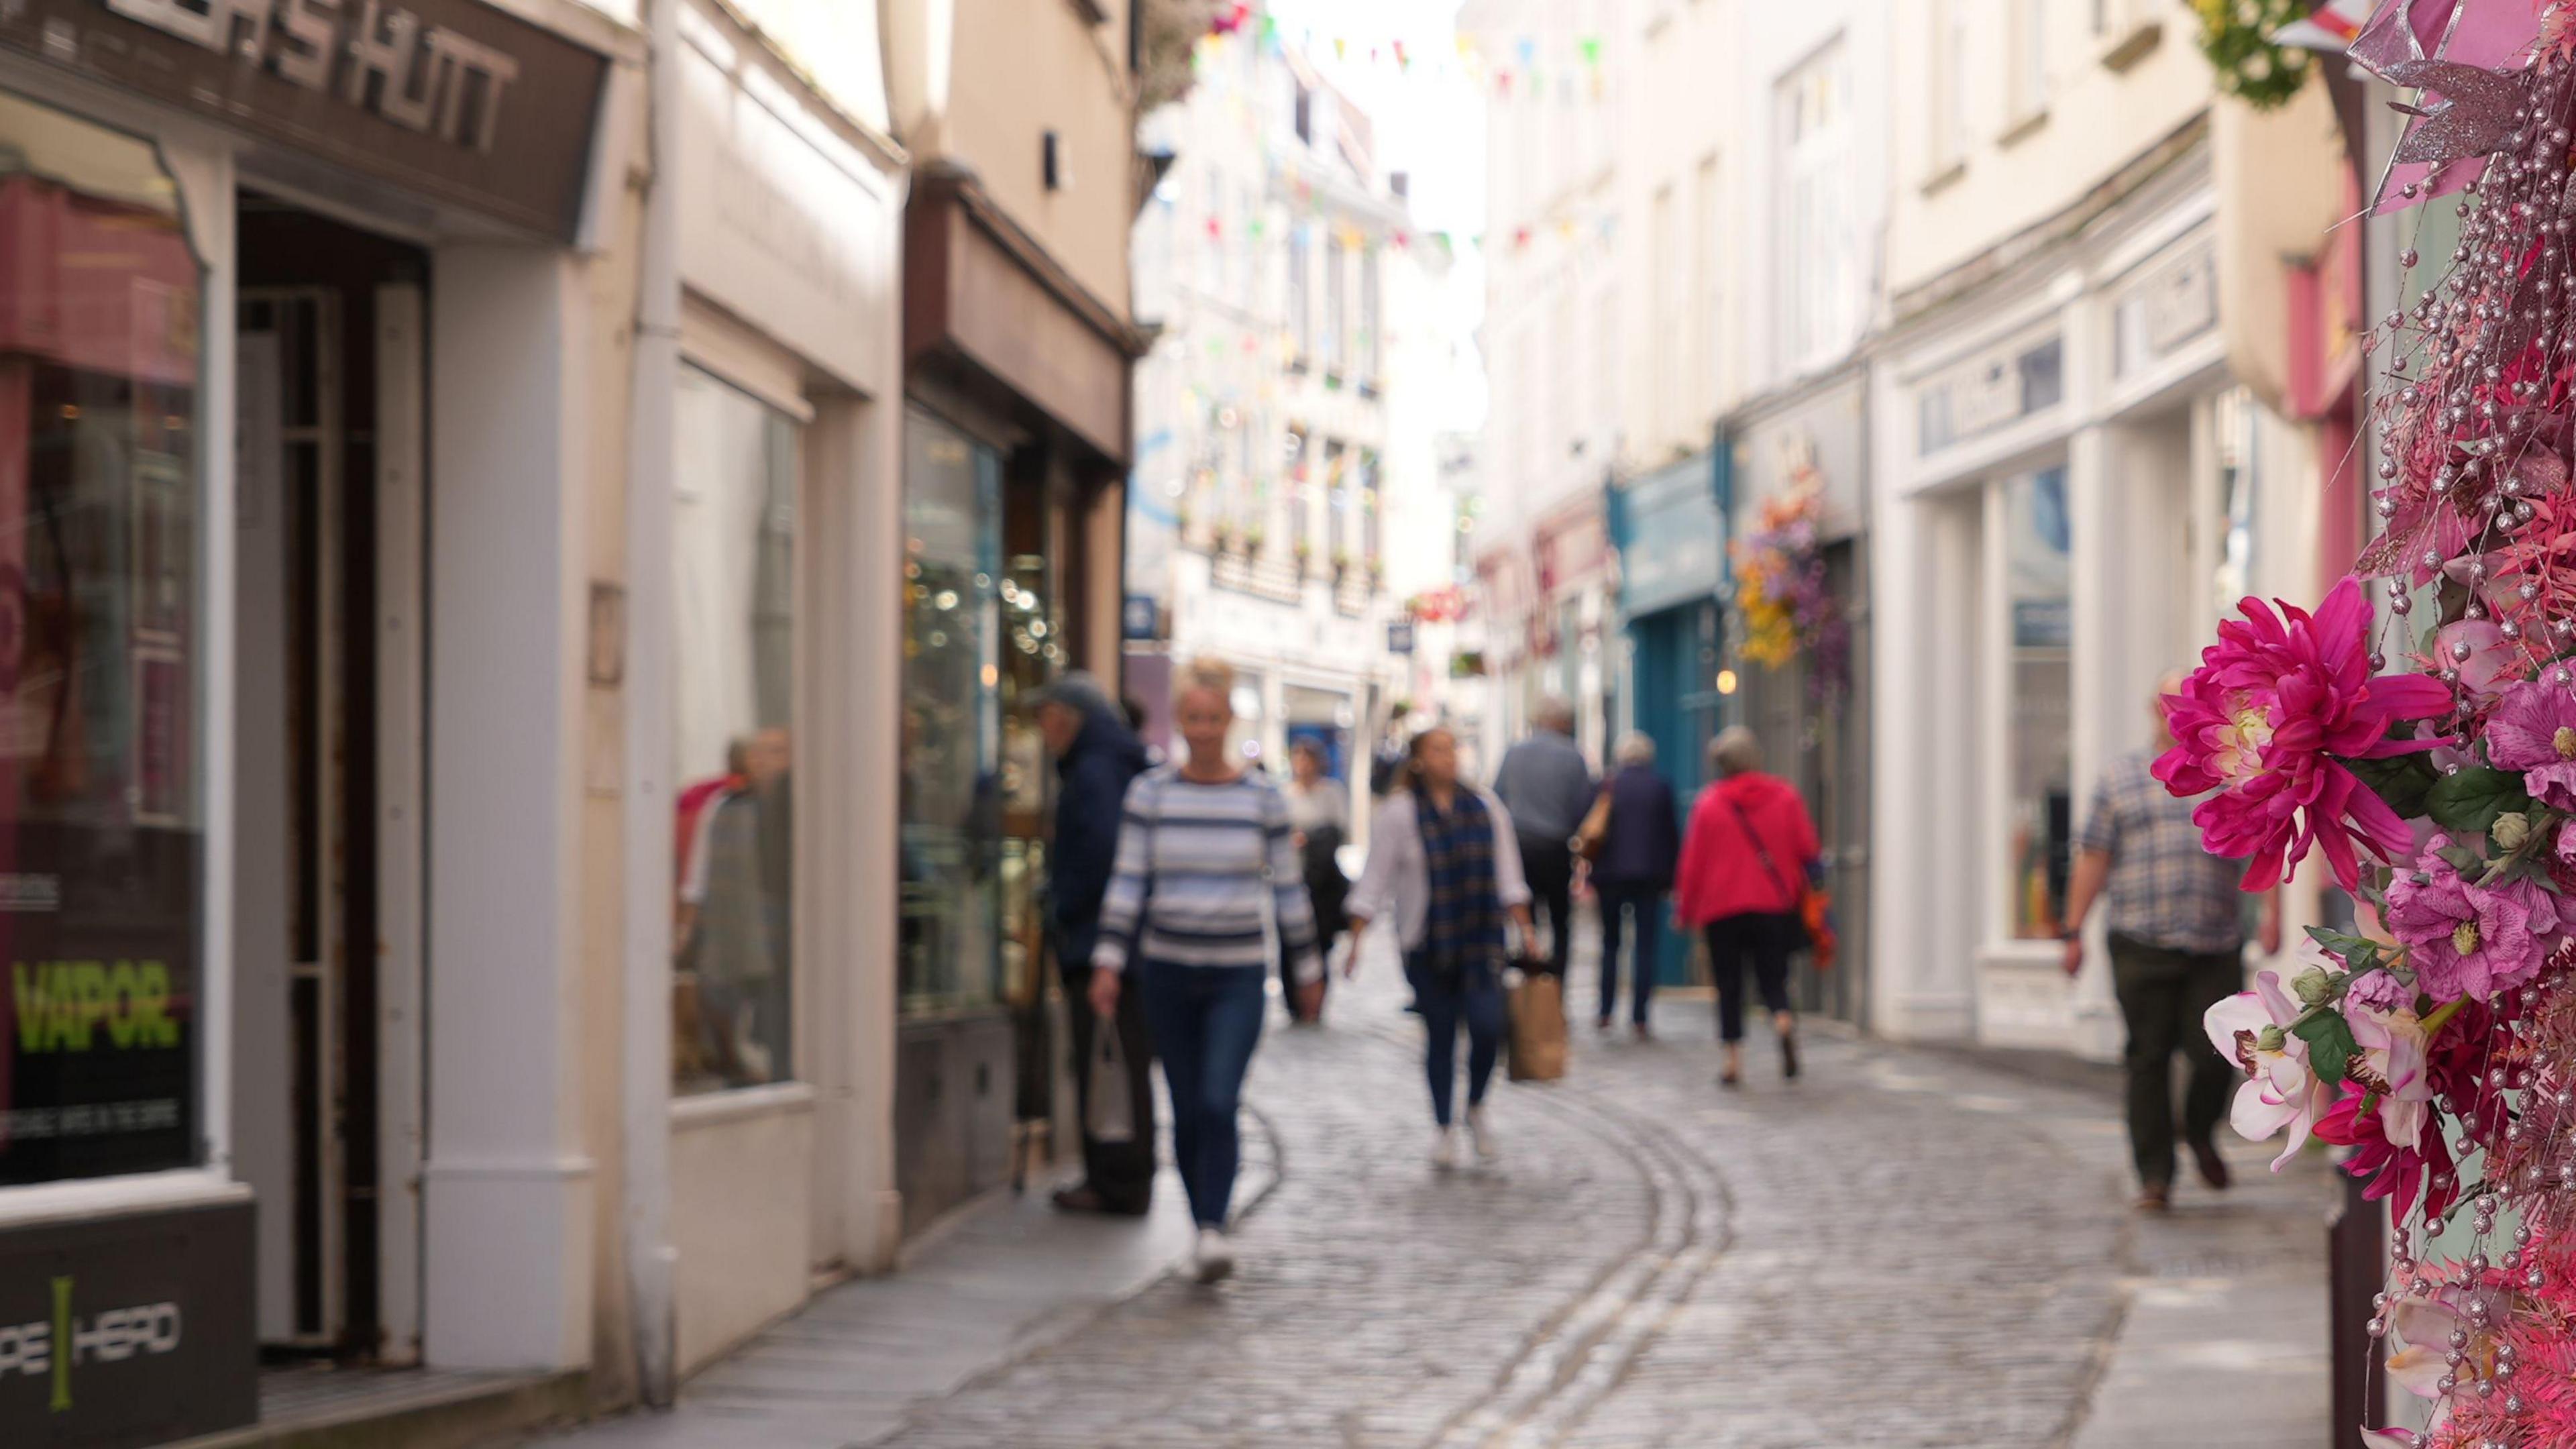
<point x="2378" y="991"/>
<point x="2534" y="730"/>
<point x="2463" y="940"/>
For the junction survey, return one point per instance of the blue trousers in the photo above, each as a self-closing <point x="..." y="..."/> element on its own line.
<point x="1205" y="1021"/>
<point x="1616" y="902"/>
<point x="1475" y="1000"/>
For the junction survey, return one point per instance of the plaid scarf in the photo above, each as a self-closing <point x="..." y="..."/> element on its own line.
<point x="1463" y="926"/>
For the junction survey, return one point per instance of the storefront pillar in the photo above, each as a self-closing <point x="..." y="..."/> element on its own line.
<point x="508" y="1216"/>
<point x="2105" y="711"/>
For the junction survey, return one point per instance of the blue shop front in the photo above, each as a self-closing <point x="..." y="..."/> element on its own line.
<point x="1669" y="527"/>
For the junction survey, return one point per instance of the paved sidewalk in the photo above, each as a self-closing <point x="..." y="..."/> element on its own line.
<point x="1904" y="1248"/>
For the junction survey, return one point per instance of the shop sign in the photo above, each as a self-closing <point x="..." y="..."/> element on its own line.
<point x="1399" y="636"/>
<point x="2175" y="305"/>
<point x="98" y="1015"/>
<point x="450" y="98"/>
<point x="1572" y="547"/>
<point x="1139" y="618"/>
<point x="1988" y="393"/>
<point x="1670" y="537"/>
<point x="128" y="1330"/>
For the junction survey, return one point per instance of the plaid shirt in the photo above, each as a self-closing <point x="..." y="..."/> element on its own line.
<point x="2165" y="889"/>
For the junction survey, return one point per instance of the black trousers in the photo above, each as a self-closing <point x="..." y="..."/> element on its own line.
<point x="1121" y="1172"/>
<point x="1548" y="865"/>
<point x="2163" y="995"/>
<point x="1762" y="940"/>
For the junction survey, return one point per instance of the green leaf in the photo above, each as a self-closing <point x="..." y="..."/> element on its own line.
<point x="2330" y="1044"/>
<point x="2464" y="860"/>
<point x="2470" y="801"/>
<point x="2401" y="780"/>
<point x="2341" y="944"/>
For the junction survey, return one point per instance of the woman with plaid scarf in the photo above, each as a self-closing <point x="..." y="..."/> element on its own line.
<point x="1443" y="861"/>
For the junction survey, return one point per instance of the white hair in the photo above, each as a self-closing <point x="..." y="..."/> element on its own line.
<point x="1735" y="751"/>
<point x="1637" y="749"/>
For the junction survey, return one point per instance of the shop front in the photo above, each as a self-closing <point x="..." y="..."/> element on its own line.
<point x="261" y="270"/>
<point x="764" y="545"/>
<point x="1800" y="488"/>
<point x="2041" y="455"/>
<point x="1670" y="532"/>
<point x="1015" y="450"/>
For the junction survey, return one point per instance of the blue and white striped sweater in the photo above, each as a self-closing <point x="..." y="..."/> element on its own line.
<point x="1194" y="863"/>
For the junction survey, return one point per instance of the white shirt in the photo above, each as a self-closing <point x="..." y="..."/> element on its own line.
<point x="1398" y="877"/>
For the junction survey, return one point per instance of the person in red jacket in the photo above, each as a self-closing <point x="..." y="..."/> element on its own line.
<point x="1744" y="868"/>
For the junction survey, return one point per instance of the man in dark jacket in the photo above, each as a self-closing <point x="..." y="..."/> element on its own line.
<point x="1096" y="756"/>
<point x="1634" y="872"/>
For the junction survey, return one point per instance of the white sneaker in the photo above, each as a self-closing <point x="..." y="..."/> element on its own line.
<point x="1214" y="1256"/>
<point x="1444" y="1149"/>
<point x="1487" y="1150"/>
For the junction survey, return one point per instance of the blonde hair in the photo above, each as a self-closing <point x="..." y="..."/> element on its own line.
<point x="1204" y="673"/>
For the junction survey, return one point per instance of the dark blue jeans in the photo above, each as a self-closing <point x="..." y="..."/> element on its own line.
<point x="1616" y="901"/>
<point x="1473" y="999"/>
<point x="1205" y="1021"/>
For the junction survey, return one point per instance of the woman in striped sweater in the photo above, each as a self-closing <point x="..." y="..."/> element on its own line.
<point x="1205" y="887"/>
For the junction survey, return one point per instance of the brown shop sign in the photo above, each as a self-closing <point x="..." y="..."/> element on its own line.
<point x="452" y="98"/>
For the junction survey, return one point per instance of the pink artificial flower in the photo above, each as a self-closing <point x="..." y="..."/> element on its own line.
<point x="2534" y="731"/>
<point x="2392" y="1067"/>
<point x="2389" y="1439"/>
<point x="2252" y="1029"/>
<point x="2491" y="656"/>
<point x="2262" y="721"/>
<point x="2390" y="1169"/>
<point x="2469" y="940"/>
<point x="2378" y="991"/>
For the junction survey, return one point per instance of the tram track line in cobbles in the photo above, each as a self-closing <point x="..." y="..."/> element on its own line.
<point x="1578" y="1355"/>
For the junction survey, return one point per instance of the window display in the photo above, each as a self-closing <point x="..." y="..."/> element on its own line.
<point x="734" y="685"/>
<point x="2043" y="691"/>
<point x="952" y="734"/>
<point x="100" y="832"/>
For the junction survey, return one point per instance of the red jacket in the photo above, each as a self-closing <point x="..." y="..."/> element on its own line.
<point x="1721" y="874"/>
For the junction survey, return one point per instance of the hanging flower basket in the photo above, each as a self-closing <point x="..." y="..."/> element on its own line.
<point x="1782" y="593"/>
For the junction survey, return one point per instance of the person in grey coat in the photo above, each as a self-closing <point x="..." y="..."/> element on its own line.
<point x="1546" y="785"/>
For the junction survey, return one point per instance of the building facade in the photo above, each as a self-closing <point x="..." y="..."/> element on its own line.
<point x="1275" y="469"/>
<point x="457" y="467"/>
<point x="1551" y="341"/>
<point x="1017" y="347"/>
<point x="2064" y="404"/>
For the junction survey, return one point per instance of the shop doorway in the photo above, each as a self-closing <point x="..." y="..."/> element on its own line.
<point x="328" y="713"/>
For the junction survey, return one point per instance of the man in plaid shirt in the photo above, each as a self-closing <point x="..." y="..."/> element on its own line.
<point x="2177" y="948"/>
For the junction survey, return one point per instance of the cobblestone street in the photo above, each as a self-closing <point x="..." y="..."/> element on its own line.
<point x="1903" y="1248"/>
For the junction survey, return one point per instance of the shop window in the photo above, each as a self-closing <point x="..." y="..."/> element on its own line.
<point x="101" y="904"/>
<point x="734" y="682"/>
<point x="2039" y="766"/>
<point x="951" y="842"/>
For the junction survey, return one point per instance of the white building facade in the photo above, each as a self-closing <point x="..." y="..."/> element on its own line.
<point x="1277" y="465"/>
<point x="1554" y="315"/>
<point x="2073" y="472"/>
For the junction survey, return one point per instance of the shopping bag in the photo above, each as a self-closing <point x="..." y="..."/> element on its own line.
<point x="1537" y="1003"/>
<point x="1113" y="1113"/>
<point x="1816" y="914"/>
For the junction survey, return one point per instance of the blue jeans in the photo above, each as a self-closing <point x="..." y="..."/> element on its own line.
<point x="1205" y="1022"/>
<point x="1474" y="999"/>
<point x="1616" y="901"/>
